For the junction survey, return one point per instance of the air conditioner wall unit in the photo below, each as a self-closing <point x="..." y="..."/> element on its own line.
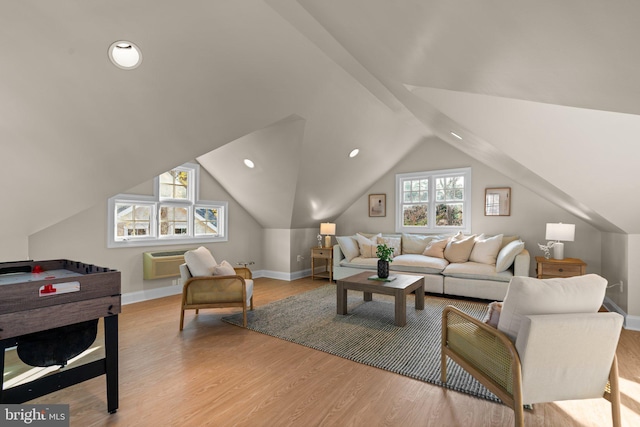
<point x="162" y="264"/>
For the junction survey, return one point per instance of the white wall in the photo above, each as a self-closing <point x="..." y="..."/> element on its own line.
<point x="529" y="212"/>
<point x="14" y="248"/>
<point x="615" y="267"/>
<point x="83" y="237"/>
<point x="633" y="299"/>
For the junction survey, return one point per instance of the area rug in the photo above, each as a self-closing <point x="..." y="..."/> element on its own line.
<point x="367" y="334"/>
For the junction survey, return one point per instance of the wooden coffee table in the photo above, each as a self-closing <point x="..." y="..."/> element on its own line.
<point x="399" y="288"/>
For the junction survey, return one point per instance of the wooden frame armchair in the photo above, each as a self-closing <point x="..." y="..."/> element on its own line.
<point x="216" y="292"/>
<point x="555" y="357"/>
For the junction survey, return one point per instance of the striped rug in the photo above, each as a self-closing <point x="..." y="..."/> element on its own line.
<point x="367" y="334"/>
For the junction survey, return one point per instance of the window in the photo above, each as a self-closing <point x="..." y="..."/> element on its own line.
<point x="173" y="215"/>
<point x="433" y="202"/>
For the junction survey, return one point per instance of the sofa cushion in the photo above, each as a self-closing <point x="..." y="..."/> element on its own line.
<point x="458" y="250"/>
<point x="508" y="254"/>
<point x="476" y="270"/>
<point x="415" y="243"/>
<point x="348" y="246"/>
<point x="368" y="246"/>
<point x="392" y="242"/>
<point x="530" y="296"/>
<point x="414" y="263"/>
<point x="508" y="239"/>
<point x="200" y="262"/>
<point x="485" y="249"/>
<point x="435" y="248"/>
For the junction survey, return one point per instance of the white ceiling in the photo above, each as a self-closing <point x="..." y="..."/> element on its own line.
<point x="545" y="92"/>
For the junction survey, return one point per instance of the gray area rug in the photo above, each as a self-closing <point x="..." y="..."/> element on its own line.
<point x="367" y="334"/>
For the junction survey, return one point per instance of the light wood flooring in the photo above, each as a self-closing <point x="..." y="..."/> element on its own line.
<point x="216" y="374"/>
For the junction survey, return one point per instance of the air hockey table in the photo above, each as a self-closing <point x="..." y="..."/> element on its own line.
<point x="40" y="299"/>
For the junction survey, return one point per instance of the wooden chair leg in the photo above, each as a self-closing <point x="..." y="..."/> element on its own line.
<point x="244" y="316"/>
<point x="251" y="301"/>
<point x="197" y="311"/>
<point x="615" y="393"/>
<point x="181" y="318"/>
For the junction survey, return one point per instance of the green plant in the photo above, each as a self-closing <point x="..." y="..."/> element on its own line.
<point x="384" y="252"/>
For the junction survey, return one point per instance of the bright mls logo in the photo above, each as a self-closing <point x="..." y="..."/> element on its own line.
<point x="34" y="415"/>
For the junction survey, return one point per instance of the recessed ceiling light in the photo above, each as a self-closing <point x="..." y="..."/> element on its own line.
<point x="125" y="55"/>
<point x="248" y="163"/>
<point x="456" y="135"/>
<point x="354" y="152"/>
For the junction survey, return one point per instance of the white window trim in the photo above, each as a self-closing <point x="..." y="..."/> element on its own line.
<point x="155" y="239"/>
<point x="432" y="228"/>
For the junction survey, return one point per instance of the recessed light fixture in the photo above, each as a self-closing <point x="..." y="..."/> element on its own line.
<point x="456" y="135"/>
<point x="125" y="55"/>
<point x="354" y="152"/>
<point x="248" y="163"/>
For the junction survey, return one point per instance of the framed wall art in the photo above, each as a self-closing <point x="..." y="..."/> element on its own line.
<point x="497" y="201"/>
<point x="377" y="205"/>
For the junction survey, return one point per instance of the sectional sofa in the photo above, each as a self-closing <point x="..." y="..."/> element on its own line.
<point x="476" y="266"/>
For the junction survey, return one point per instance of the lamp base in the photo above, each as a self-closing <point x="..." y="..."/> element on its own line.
<point x="558" y="250"/>
<point x="327" y="241"/>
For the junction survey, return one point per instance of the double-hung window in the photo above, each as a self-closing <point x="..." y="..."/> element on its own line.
<point x="173" y="215"/>
<point x="434" y="201"/>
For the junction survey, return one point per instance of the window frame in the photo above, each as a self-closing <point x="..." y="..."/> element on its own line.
<point x="154" y="238"/>
<point x="432" y="228"/>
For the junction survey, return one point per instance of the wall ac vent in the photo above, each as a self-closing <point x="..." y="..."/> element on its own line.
<point x="158" y="265"/>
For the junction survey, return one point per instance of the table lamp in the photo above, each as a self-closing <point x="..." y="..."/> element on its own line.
<point x="328" y="229"/>
<point x="558" y="232"/>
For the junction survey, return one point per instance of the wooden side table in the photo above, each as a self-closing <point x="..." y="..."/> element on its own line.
<point x="325" y="254"/>
<point x="568" y="267"/>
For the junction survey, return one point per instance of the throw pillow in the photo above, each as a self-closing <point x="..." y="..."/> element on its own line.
<point x="349" y="247"/>
<point x="529" y="296"/>
<point x="458" y="250"/>
<point x="435" y="248"/>
<point x="508" y="239"/>
<point x="392" y="242"/>
<point x="493" y="314"/>
<point x="224" y="269"/>
<point x="485" y="250"/>
<point x="508" y="254"/>
<point x="368" y="246"/>
<point x="415" y="243"/>
<point x="200" y="262"/>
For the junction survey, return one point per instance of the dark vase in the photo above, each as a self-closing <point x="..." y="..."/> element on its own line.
<point x="383" y="269"/>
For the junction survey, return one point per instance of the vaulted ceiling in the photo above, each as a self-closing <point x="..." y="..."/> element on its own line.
<point x="546" y="93"/>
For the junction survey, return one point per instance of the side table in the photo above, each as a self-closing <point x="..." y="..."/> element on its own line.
<point x="326" y="254"/>
<point x="568" y="267"/>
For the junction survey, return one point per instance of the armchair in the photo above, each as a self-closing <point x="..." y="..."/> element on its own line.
<point x="552" y="356"/>
<point x="216" y="291"/>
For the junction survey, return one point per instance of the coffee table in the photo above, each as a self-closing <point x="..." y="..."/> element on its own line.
<point x="399" y="288"/>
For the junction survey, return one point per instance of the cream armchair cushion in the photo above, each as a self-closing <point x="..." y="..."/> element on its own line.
<point x="530" y="296"/>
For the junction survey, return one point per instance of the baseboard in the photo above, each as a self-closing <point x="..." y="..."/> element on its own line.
<point x="146" y="295"/>
<point x="631" y="323"/>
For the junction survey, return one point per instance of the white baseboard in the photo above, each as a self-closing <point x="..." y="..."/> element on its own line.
<point x="139" y="296"/>
<point x="631" y="323"/>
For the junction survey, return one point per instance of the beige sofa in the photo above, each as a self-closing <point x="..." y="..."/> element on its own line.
<point x="482" y="275"/>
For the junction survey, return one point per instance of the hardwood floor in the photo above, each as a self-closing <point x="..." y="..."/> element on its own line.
<point x="217" y="374"/>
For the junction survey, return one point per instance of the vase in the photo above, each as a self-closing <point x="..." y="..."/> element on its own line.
<point x="383" y="269"/>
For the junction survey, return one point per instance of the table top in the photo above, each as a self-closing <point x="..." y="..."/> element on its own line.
<point x="402" y="281"/>
<point x="13" y="278"/>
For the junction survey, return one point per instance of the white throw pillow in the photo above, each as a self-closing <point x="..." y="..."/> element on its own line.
<point x="349" y="247"/>
<point x="415" y="243"/>
<point x="224" y="269"/>
<point x="200" y="262"/>
<point x="508" y="254"/>
<point x="391" y="242"/>
<point x="368" y="246"/>
<point x="435" y="248"/>
<point x="529" y="296"/>
<point x="486" y="250"/>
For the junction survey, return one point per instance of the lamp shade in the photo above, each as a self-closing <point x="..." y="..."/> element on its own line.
<point x="328" y="228"/>
<point x="560" y="231"/>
